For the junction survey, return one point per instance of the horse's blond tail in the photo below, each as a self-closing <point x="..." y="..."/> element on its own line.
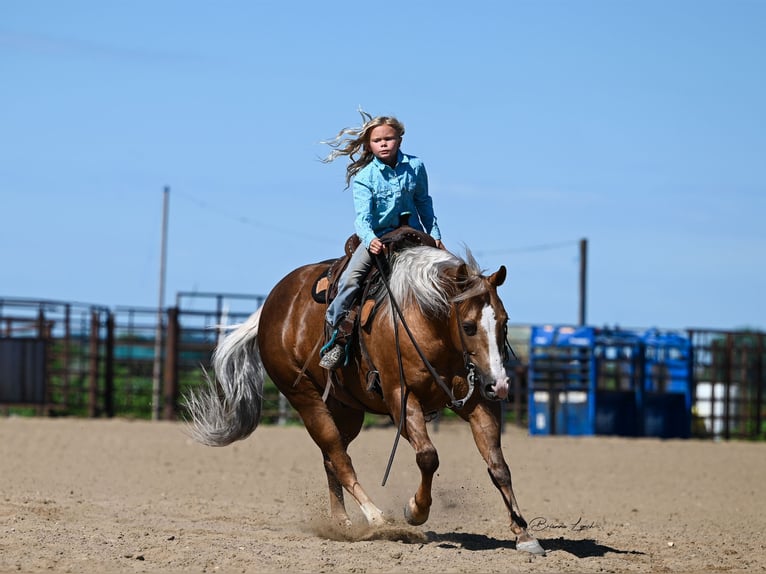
<point x="228" y="408"/>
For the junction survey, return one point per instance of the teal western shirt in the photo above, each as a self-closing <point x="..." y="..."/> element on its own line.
<point x="382" y="192"/>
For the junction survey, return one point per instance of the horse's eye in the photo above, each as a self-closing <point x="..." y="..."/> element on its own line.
<point x="470" y="328"/>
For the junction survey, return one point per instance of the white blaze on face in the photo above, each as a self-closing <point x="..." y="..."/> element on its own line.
<point x="497" y="369"/>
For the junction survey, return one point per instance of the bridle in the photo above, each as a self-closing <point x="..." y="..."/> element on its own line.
<point x="507" y="352"/>
<point x="470" y="368"/>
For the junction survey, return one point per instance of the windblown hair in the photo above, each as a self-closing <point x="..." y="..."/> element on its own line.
<point x="434" y="279"/>
<point x="354" y="141"/>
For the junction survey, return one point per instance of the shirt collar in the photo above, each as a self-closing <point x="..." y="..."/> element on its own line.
<point x="400" y="158"/>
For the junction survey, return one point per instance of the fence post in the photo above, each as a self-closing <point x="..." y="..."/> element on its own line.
<point x="93" y="366"/>
<point x="759" y="383"/>
<point x="517" y="395"/>
<point x="109" y="366"/>
<point x="729" y="379"/>
<point x="170" y="384"/>
<point x="67" y="353"/>
<point x="42" y="333"/>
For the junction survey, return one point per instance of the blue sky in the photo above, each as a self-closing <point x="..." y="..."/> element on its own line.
<point x="638" y="125"/>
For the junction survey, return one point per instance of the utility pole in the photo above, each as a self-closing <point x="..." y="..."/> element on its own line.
<point x="157" y="370"/>
<point x="583" y="275"/>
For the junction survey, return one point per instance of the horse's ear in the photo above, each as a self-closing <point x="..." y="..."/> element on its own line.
<point x="498" y="277"/>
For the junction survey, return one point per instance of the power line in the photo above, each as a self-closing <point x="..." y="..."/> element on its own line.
<point x="245" y="220"/>
<point x="530" y="248"/>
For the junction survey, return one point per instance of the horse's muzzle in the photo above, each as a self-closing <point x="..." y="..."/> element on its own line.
<point x="496" y="390"/>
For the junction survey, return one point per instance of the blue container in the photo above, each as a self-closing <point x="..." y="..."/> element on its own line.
<point x="560" y="412"/>
<point x="616" y="413"/>
<point x="667" y="400"/>
<point x="560" y="380"/>
<point x="584" y="381"/>
<point x="666" y="416"/>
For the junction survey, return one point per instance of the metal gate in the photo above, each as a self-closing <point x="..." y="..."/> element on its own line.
<point x="729" y="384"/>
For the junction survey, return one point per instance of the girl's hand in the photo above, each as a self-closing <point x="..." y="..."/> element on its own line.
<point x="376" y="246"/>
<point x="439" y="244"/>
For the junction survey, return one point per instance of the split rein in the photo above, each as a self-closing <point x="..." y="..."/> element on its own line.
<point x="470" y="367"/>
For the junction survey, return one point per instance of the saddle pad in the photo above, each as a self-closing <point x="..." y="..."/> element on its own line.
<point x="368" y="307"/>
<point x="320" y="288"/>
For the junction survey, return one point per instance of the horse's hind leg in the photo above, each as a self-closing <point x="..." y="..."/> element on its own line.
<point x="349" y="428"/>
<point x="485" y="425"/>
<point x="337" y="505"/>
<point x="332" y="434"/>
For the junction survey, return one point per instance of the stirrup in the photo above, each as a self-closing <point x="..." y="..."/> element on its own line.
<point x="330" y="343"/>
<point x="333" y="358"/>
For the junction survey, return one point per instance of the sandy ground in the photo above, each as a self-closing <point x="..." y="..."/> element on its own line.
<point x="121" y="496"/>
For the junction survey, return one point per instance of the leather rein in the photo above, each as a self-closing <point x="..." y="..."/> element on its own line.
<point x="469" y="366"/>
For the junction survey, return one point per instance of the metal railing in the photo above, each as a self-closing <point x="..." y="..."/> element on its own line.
<point x="74" y="359"/>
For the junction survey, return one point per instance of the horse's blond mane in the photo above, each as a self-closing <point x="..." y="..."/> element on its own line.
<point x="421" y="275"/>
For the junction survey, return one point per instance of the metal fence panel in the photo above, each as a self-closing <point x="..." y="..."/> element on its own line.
<point x="22" y="371"/>
<point x="85" y="360"/>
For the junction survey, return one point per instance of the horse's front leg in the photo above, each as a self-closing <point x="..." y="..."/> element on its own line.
<point x="485" y="425"/>
<point x="417" y="509"/>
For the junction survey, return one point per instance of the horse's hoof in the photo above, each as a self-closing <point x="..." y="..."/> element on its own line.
<point x="342" y="522"/>
<point x="531" y="546"/>
<point x="379" y="521"/>
<point x="410" y="517"/>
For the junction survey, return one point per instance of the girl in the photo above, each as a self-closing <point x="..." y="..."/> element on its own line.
<point x="386" y="184"/>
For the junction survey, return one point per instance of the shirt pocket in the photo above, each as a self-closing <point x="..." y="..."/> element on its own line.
<point x="409" y="184"/>
<point x="385" y="196"/>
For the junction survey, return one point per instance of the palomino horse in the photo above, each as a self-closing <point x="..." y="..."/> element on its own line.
<point x="440" y="334"/>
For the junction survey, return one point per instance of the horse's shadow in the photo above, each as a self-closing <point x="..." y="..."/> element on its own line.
<point x="478" y="542"/>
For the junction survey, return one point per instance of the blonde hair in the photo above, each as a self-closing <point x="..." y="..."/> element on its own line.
<point x="353" y="141"/>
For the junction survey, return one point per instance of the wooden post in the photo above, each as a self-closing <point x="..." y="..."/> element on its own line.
<point x="518" y="402"/>
<point x="42" y="333"/>
<point x="109" y="367"/>
<point x="67" y="349"/>
<point x="729" y="378"/>
<point x="157" y="370"/>
<point x="171" y="386"/>
<point x="583" y="277"/>
<point x="93" y="366"/>
<point x="758" y="387"/>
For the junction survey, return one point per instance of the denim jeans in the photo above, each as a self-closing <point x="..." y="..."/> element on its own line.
<point x="349" y="284"/>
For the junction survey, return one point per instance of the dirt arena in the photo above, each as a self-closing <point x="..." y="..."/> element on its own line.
<point x="122" y="496"/>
